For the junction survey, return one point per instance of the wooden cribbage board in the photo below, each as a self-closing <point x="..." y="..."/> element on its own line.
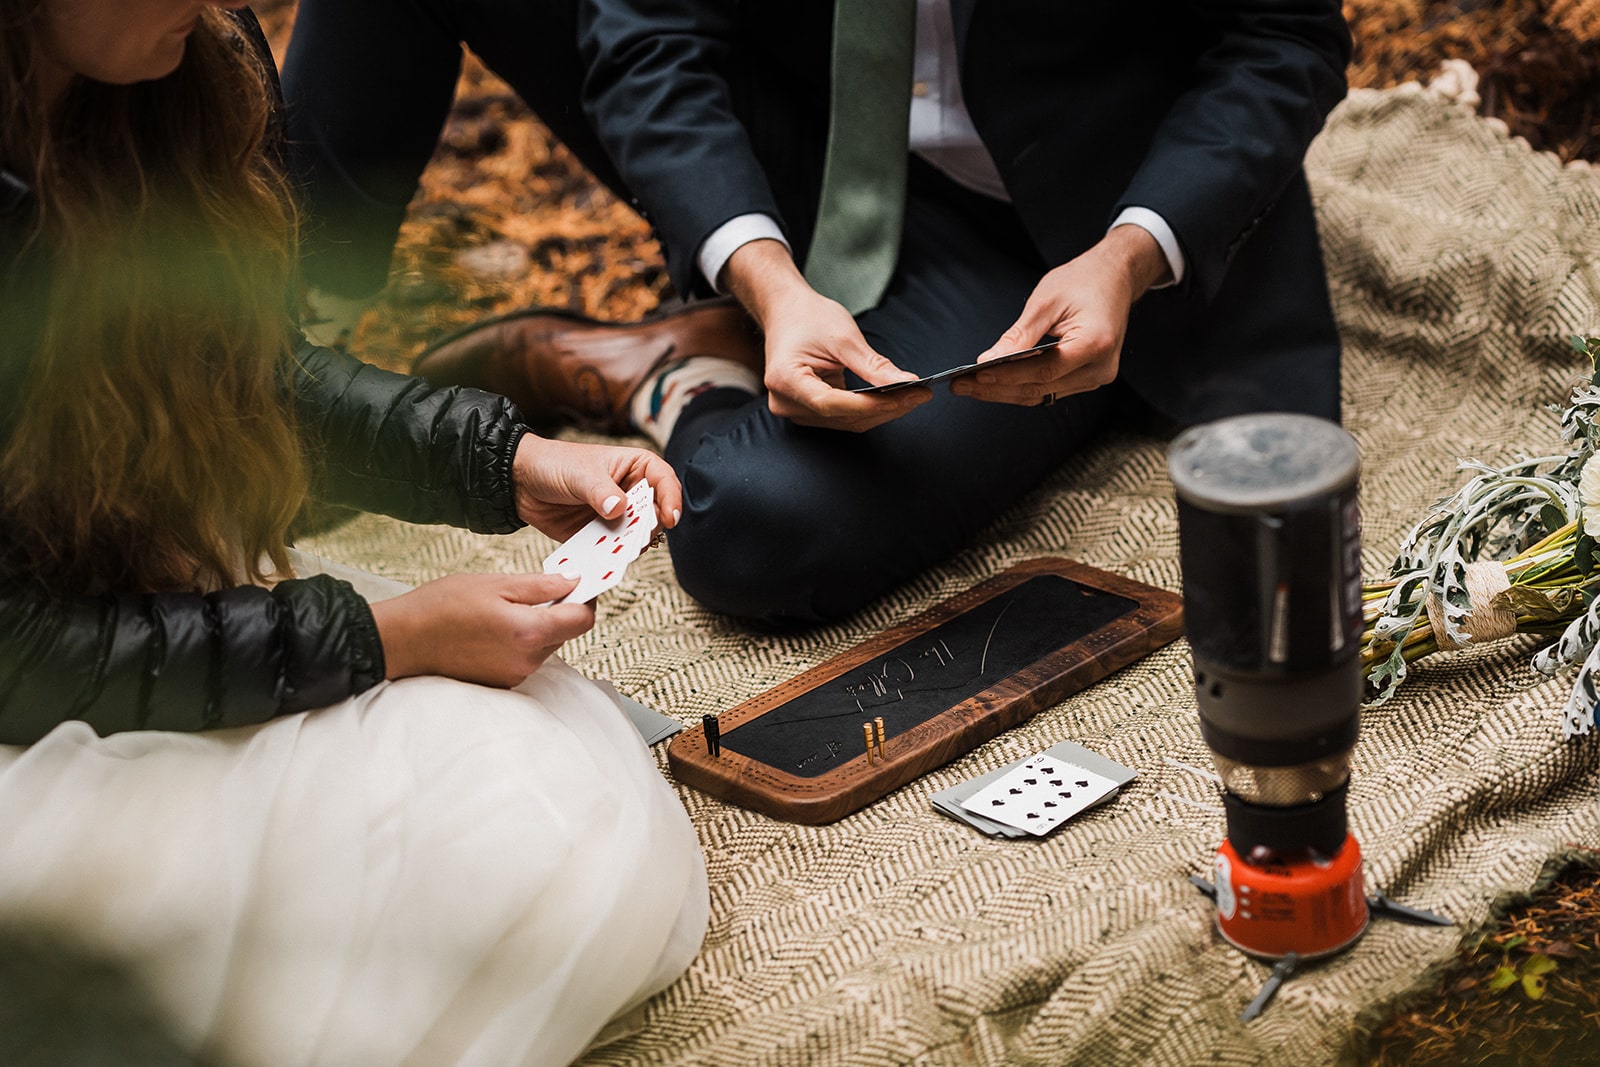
<point x="944" y="682"/>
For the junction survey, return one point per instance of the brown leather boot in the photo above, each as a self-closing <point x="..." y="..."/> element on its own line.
<point x="562" y="367"/>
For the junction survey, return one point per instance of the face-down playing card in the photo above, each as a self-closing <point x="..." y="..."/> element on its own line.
<point x="1040" y="795"/>
<point x="955" y="372"/>
<point x="601" y="552"/>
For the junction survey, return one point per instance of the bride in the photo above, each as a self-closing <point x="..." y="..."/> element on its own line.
<point x="317" y="830"/>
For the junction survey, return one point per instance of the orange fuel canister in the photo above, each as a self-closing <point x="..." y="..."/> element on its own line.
<point x="1303" y="903"/>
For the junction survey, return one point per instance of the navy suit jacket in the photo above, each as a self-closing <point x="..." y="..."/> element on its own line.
<point x="1200" y="111"/>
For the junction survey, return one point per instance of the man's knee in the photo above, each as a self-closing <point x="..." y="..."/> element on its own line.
<point x="757" y="552"/>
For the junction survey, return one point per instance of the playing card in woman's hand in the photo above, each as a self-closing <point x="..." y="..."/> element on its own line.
<point x="600" y="552"/>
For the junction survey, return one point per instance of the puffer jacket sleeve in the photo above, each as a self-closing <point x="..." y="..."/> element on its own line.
<point x="394" y="444"/>
<point x="187" y="662"/>
<point x="180" y="661"/>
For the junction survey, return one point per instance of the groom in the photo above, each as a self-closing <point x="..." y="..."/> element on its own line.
<point x="1129" y="184"/>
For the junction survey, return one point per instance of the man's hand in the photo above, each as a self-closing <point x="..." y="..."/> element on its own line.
<point x="1085" y="303"/>
<point x="561" y="485"/>
<point x="811" y="341"/>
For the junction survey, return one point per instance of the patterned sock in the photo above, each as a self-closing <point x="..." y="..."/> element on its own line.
<point x="662" y="397"/>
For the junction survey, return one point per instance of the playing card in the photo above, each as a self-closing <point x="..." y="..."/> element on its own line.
<point x="640" y="516"/>
<point x="945" y="806"/>
<point x="1040" y="795"/>
<point x="948" y="801"/>
<point x="653" y="726"/>
<point x="966" y="368"/>
<point x="602" y="550"/>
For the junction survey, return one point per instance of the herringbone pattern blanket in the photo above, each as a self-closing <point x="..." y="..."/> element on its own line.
<point x="1460" y="261"/>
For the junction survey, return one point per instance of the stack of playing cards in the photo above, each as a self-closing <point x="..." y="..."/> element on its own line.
<point x="600" y="552"/>
<point x="1034" y="796"/>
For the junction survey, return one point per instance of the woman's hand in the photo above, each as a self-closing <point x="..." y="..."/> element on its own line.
<point x="561" y="485"/>
<point x="493" y="629"/>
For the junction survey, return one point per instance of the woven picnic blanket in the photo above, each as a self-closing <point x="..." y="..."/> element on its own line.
<point x="1460" y="261"/>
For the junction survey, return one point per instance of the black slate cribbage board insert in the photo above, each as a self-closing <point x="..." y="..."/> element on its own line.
<point x="796" y="751"/>
<point x="819" y="730"/>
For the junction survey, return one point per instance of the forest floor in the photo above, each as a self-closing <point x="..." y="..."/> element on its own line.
<point x="507" y="218"/>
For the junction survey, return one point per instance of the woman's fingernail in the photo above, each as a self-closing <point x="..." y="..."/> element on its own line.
<point x="611" y="501"/>
<point x="676" y="516"/>
<point x="572" y="576"/>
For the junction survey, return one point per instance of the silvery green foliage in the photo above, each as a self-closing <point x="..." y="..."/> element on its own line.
<point x="1579" y="426"/>
<point x="1495" y="513"/>
<point x="1576" y="643"/>
<point x="1580" y="421"/>
<point x="1580" y="641"/>
<point x="1402" y="609"/>
<point x="1498" y="513"/>
<point x="1578" y="715"/>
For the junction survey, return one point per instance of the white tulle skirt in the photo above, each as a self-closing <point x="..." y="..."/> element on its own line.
<point x="428" y="873"/>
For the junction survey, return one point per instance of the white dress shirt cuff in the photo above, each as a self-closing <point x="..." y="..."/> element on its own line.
<point x="1156" y="227"/>
<point x="727" y="239"/>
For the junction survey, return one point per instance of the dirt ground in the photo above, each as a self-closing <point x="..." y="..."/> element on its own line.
<point x="505" y="218"/>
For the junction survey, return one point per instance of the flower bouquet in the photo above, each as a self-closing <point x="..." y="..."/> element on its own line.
<point x="1512" y="551"/>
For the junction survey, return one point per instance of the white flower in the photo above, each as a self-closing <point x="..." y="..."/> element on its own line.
<point x="1589" y="494"/>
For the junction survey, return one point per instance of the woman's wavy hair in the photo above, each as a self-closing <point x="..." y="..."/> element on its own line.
<point x="154" y="448"/>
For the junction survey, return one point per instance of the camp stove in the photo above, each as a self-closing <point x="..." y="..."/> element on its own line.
<point x="1270" y="545"/>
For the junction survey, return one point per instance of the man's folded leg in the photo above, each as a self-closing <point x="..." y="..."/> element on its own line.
<point x="790" y="525"/>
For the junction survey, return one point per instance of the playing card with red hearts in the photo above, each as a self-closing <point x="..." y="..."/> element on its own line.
<point x="601" y="551"/>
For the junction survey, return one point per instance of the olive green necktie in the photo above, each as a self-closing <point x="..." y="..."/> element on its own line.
<point x="863" y="200"/>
